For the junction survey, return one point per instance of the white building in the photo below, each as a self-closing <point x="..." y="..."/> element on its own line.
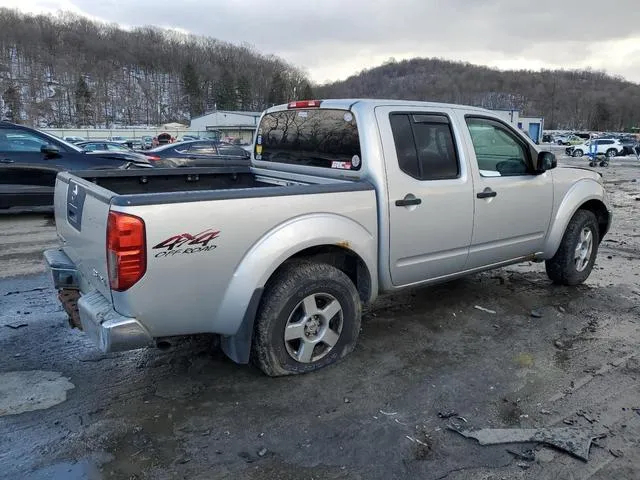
<point x="229" y="126"/>
<point x="531" y="126"/>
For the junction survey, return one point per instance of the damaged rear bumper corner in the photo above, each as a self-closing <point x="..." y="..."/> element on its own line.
<point x="109" y="330"/>
<point x="91" y="311"/>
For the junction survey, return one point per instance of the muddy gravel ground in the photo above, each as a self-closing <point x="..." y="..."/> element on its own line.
<point x="548" y="357"/>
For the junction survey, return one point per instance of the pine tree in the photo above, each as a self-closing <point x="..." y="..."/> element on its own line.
<point x="243" y="89"/>
<point x="12" y="104"/>
<point x="226" y="96"/>
<point x="278" y="91"/>
<point x="83" y="97"/>
<point x="193" y="90"/>
<point x="306" y="92"/>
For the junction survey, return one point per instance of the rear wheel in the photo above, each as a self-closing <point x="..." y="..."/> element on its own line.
<point x="573" y="262"/>
<point x="309" y="318"/>
<point x="612" y="152"/>
<point x="578" y="153"/>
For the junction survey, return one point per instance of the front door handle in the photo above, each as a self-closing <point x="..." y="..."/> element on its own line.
<point x="487" y="193"/>
<point x="7" y="160"/>
<point x="408" y="201"/>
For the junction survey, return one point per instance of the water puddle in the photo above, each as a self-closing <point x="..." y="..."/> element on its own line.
<point x="29" y="390"/>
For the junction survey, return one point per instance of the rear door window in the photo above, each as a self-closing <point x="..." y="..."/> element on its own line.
<point x="425" y="146"/>
<point x="324" y="138"/>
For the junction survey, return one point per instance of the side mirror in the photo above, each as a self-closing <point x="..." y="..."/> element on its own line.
<point x="49" y="150"/>
<point x="546" y="161"/>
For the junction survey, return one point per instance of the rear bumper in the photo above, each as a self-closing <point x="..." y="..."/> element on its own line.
<point x="109" y="330"/>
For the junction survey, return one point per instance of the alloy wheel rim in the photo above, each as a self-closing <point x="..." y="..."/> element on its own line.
<point x="583" y="249"/>
<point x="313" y="328"/>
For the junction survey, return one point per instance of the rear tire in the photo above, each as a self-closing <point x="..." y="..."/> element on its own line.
<point x="309" y="318"/>
<point x="612" y="152"/>
<point x="573" y="262"/>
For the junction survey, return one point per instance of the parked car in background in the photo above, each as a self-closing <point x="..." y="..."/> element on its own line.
<point x="569" y="139"/>
<point x="117" y="139"/>
<point x="134" y="144"/>
<point x="103" y="146"/>
<point x="164" y="138"/>
<point x="147" y="142"/>
<point x="628" y="145"/>
<point x="198" y="153"/>
<point x="31" y="159"/>
<point x="187" y="138"/>
<point x="72" y="139"/>
<point x="602" y="146"/>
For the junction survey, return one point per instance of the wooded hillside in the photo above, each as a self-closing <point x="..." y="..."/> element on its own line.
<point x="69" y="71"/>
<point x="567" y="99"/>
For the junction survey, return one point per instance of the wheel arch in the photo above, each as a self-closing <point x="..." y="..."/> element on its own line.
<point x="343" y="243"/>
<point x="585" y="195"/>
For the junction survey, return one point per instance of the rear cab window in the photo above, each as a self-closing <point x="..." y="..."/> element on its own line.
<point x="318" y="137"/>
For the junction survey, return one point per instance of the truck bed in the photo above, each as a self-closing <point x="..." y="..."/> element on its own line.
<point x="173" y="185"/>
<point x="161" y="180"/>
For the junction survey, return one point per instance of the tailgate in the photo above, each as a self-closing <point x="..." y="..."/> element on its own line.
<point x="81" y="210"/>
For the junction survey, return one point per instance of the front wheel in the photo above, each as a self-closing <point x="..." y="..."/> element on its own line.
<point x="578" y="153"/>
<point x="309" y="318"/>
<point x="612" y="152"/>
<point x="573" y="262"/>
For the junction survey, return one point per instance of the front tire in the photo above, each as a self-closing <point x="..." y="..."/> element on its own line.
<point x="578" y="153"/>
<point x="573" y="262"/>
<point x="309" y="318"/>
<point x="612" y="152"/>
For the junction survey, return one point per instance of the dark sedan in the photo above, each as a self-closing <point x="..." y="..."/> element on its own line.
<point x="198" y="153"/>
<point x="31" y="159"/>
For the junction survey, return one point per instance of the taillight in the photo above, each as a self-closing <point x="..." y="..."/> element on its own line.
<point x="126" y="250"/>
<point x="154" y="158"/>
<point x="305" y="104"/>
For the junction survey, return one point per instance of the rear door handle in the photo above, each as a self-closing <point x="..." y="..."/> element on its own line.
<point x="487" y="193"/>
<point x="406" y="202"/>
<point x="7" y="160"/>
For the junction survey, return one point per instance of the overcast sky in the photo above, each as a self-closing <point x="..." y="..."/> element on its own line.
<point x="332" y="39"/>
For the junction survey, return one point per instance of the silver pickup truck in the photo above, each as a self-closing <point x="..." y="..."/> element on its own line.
<point x="344" y="199"/>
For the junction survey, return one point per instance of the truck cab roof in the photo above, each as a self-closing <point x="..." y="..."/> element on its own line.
<point x="352" y="103"/>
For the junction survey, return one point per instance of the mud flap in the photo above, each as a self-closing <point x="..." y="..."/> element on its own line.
<point x="238" y="347"/>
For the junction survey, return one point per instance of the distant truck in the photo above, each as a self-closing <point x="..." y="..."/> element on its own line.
<point x="344" y="199"/>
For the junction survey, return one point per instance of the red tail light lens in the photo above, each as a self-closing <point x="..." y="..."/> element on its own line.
<point x="154" y="158"/>
<point x="304" y="104"/>
<point x="126" y="250"/>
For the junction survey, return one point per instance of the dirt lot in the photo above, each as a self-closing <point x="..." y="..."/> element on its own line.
<point x="547" y="356"/>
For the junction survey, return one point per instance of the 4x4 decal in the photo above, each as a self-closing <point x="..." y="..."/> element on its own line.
<point x="200" y="242"/>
